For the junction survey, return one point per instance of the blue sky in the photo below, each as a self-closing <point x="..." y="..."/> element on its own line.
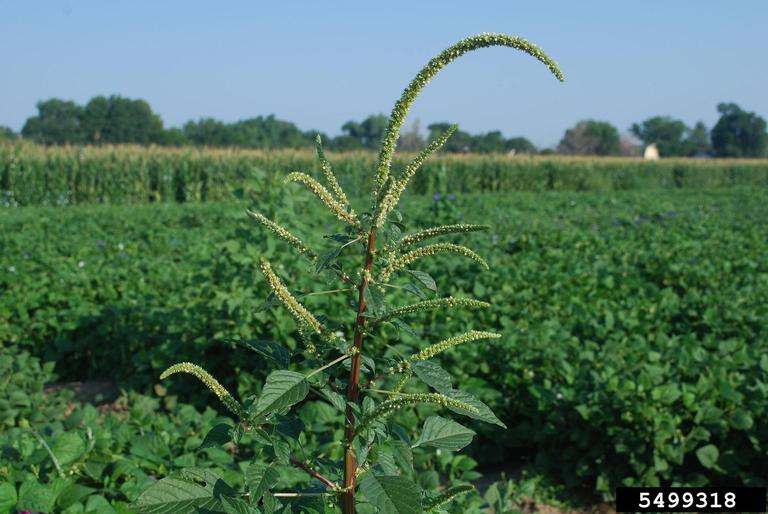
<point x="320" y="64"/>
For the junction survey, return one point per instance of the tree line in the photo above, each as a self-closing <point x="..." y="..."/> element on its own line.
<point x="115" y="119"/>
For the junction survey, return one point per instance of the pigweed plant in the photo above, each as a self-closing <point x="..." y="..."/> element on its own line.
<point x="372" y="469"/>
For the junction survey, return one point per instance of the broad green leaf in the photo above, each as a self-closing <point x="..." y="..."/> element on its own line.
<point x="237" y="506"/>
<point x="425" y="279"/>
<point x="392" y="494"/>
<point x="8" y="497"/>
<point x="35" y="497"/>
<point x="374" y="302"/>
<point x="188" y="492"/>
<point x="485" y="414"/>
<point x="414" y="289"/>
<point x="327" y="258"/>
<point x="71" y="494"/>
<point x="68" y="447"/>
<point x="741" y="420"/>
<point x="403" y="455"/>
<point x="432" y="375"/>
<point x="219" y="435"/>
<point x="445" y="434"/>
<point x="269" y="349"/>
<point x="336" y="399"/>
<point x="282" y="390"/>
<point x="708" y="455"/>
<point x="260" y="478"/>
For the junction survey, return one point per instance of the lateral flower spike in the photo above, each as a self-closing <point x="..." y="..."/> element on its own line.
<point x="283" y="234"/>
<point x="432" y="350"/>
<point x="426" y="251"/>
<point x="325" y="196"/>
<point x="439" y="231"/>
<point x="431" y="504"/>
<point x="297" y="310"/>
<point x="328" y="171"/>
<point x="396" y="187"/>
<point x="392" y="405"/>
<point x="437" y="303"/>
<point x="403" y="105"/>
<point x="211" y="383"/>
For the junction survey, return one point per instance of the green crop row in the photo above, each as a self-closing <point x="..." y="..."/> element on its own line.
<point x="634" y="323"/>
<point x="36" y="175"/>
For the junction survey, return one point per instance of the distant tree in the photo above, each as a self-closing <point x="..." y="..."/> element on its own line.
<point x="738" y="133"/>
<point x="344" y="143"/>
<point x="57" y="122"/>
<point x="120" y="120"/>
<point x="369" y="132"/>
<point x="590" y="137"/>
<point x="207" y="132"/>
<point x="667" y="133"/>
<point x="698" y="140"/>
<point x="6" y="133"/>
<point x="519" y="145"/>
<point x="629" y="146"/>
<point x="173" y="137"/>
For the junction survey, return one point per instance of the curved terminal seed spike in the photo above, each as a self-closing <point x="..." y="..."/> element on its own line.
<point x="403" y="105"/>
<point x="328" y="170"/>
<point x="283" y="234"/>
<point x="211" y="383"/>
<point x="325" y="196"/>
<point x="396" y="187"/>
<point x="426" y="251"/>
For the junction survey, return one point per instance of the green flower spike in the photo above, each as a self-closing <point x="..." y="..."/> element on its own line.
<point x="392" y="405"/>
<point x="283" y="234"/>
<point x="439" y="231"/>
<point x="211" y="383"/>
<point x="297" y="310"/>
<point x="328" y="171"/>
<point x="432" y="350"/>
<point x="325" y="196"/>
<point x="430" y="305"/>
<point x="425" y="251"/>
<point x="431" y="504"/>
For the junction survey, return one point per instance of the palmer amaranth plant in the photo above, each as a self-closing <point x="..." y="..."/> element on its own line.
<point x="375" y="457"/>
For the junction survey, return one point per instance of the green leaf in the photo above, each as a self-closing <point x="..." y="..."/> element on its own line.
<point x="68" y="447"/>
<point x="742" y="420"/>
<point x="414" y="289"/>
<point x="282" y="390"/>
<point x="186" y="493"/>
<point x="392" y="494"/>
<point x="425" y="279"/>
<point x="374" y="302"/>
<point x="444" y="434"/>
<point x="327" y="258"/>
<point x="403" y="455"/>
<point x="485" y="414"/>
<point x="432" y="375"/>
<point x="219" y="435"/>
<point x="8" y="497"/>
<point x="35" y="497"/>
<point x="237" y="506"/>
<point x="336" y="399"/>
<point x="270" y="350"/>
<point x="73" y="493"/>
<point x="708" y="455"/>
<point x="260" y="478"/>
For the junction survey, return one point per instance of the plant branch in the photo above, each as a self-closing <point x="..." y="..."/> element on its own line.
<point x="314" y="474"/>
<point x="332" y="363"/>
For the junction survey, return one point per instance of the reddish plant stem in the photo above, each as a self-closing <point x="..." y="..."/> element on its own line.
<point x="353" y="387"/>
<point x="314" y="474"/>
